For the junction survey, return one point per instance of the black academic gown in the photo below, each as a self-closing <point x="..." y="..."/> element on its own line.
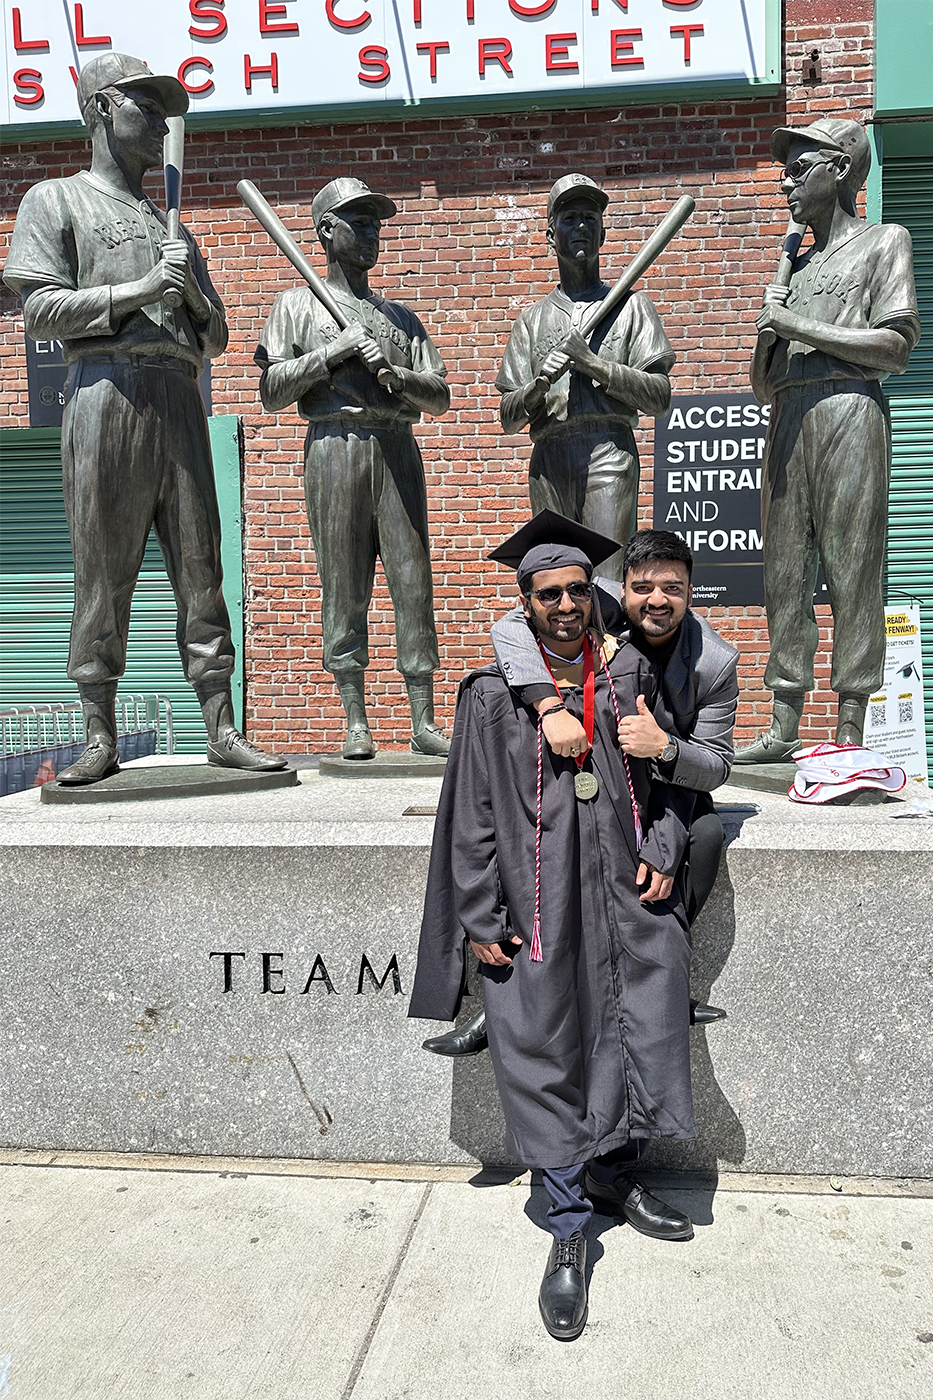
<point x="589" y="1045"/>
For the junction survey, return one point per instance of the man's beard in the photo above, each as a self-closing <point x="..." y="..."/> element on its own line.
<point x="637" y="626"/>
<point x="547" y="631"/>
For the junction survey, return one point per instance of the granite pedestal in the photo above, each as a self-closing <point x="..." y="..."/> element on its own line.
<point x="231" y="975"/>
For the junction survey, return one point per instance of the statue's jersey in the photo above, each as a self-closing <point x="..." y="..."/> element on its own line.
<point x="865" y="282"/>
<point x="632" y="336"/>
<point x="77" y="238"/>
<point x="299" y="325"/>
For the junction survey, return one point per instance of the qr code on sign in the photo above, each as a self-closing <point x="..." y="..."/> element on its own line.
<point x="905" y="711"/>
<point x="878" y="713"/>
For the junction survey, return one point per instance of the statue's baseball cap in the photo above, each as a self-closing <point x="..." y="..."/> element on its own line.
<point x="347" y="191"/>
<point x="119" y="70"/>
<point x="829" y="134"/>
<point x="570" y="187"/>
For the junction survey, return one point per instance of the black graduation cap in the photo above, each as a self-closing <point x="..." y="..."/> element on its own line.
<point x="550" y="529"/>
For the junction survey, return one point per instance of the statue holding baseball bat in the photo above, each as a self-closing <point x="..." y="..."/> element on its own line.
<point x="840" y="316"/>
<point x="361" y="370"/>
<point x="582" y="364"/>
<point x="100" y="268"/>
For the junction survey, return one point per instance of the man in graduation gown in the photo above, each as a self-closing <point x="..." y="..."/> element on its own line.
<point x="700" y="689"/>
<point x="561" y="875"/>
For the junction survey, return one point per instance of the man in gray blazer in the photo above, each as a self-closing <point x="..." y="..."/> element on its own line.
<point x="700" y="689"/>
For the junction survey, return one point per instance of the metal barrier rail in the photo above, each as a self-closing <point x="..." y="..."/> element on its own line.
<point x="32" y="728"/>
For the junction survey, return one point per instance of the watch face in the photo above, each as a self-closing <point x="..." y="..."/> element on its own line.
<point x="669" y="751"/>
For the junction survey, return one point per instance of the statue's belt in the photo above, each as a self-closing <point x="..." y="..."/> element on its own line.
<point x="169" y="362"/>
<point x="821" y="388"/>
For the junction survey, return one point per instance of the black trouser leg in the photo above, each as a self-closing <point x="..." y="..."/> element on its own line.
<point x="704" y="850"/>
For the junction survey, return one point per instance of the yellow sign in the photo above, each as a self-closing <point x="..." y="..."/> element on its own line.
<point x="900" y="625"/>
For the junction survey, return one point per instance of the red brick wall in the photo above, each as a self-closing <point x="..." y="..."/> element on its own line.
<point x="467" y="251"/>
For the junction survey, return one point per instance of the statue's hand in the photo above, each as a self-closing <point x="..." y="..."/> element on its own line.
<point x="168" y="275"/>
<point x="579" y="354"/>
<point x="349" y="342"/>
<point x="776" y="295"/>
<point x="555" y="365"/>
<point x="776" y="318"/>
<point x="370" y="352"/>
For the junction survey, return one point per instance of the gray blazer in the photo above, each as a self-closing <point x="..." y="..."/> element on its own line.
<point x="700" y="686"/>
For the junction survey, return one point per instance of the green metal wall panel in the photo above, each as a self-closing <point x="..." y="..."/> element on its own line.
<point x="37" y="587"/>
<point x="903" y="57"/>
<point x="907" y="198"/>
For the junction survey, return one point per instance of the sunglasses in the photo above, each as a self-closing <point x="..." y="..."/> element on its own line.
<point x="549" y="596"/>
<point x="801" y="168"/>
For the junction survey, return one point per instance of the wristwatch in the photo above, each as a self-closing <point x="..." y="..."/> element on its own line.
<point x="669" y="751"/>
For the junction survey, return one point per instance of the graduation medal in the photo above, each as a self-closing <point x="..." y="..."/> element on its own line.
<point x="585" y="785"/>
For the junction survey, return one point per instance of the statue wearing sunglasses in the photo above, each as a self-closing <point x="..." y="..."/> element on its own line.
<point x="841" y="317"/>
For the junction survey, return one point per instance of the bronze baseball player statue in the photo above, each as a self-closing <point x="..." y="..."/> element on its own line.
<point x="581" y="397"/>
<point x="361" y="373"/>
<point x="840" y="317"/>
<point x="97" y="268"/>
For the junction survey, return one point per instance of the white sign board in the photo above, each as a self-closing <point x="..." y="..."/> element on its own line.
<point x="246" y="56"/>
<point x="894" y="722"/>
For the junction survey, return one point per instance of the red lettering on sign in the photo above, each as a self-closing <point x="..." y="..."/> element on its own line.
<point x="184" y="69"/>
<point x="434" y="48"/>
<point x="495" y="51"/>
<point x="620" y="45"/>
<point x="88" y="41"/>
<point x="20" y="44"/>
<point x="208" y="9"/>
<point x="416" y="11"/>
<point x="74" y="75"/>
<point x="269" y="70"/>
<point x="686" y="30"/>
<point x="28" y="80"/>
<point x="470" y="14"/>
<point x="266" y="8"/>
<point x="376" y="57"/>
<point x="542" y="9"/>
<point x="556" y="53"/>
<point x="358" y="23"/>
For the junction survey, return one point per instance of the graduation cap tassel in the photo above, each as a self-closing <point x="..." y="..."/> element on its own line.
<point x="535" y="953"/>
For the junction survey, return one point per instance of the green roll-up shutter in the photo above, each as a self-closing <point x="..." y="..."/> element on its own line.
<point x="37" y="584"/>
<point x="907" y="198"/>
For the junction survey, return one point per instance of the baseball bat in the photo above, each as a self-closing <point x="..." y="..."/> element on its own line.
<point x="651" y="249"/>
<point x="263" y="211"/>
<point x="670" y="225"/>
<point x="173" y="157"/>
<point x="789" y="250"/>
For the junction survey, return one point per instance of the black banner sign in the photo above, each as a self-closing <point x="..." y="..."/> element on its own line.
<point x="45" y="375"/>
<point x="707" y="488"/>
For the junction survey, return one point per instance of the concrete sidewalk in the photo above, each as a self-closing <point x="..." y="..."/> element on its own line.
<point x="135" y="1278"/>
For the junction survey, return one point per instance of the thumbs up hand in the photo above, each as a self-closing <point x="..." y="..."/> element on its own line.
<point x="640" y="735"/>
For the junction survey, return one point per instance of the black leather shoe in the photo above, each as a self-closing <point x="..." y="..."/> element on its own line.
<point x="701" y="1014"/>
<point x="96" y="762"/>
<point x="468" y="1039"/>
<point x="628" y="1200"/>
<point x="562" y="1296"/>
